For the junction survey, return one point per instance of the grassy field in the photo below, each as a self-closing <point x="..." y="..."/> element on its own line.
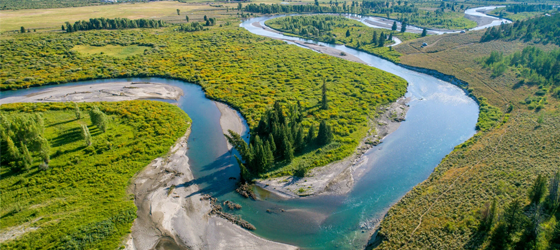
<point x="80" y="201"/>
<point x="53" y="18"/>
<point x="111" y="50"/>
<point x="231" y="64"/>
<point x="512" y="16"/>
<point x="447" y="20"/>
<point x="445" y="210"/>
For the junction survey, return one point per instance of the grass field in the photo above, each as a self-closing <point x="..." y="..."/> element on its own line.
<point x="54" y="18"/>
<point x="110" y="50"/>
<point x="80" y="201"/>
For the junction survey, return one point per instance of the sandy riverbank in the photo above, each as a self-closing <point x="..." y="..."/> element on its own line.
<point x="230" y="120"/>
<point x="111" y="92"/>
<point x="173" y="215"/>
<point x="339" y="177"/>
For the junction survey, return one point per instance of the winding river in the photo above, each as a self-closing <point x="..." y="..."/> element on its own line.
<point x="440" y="117"/>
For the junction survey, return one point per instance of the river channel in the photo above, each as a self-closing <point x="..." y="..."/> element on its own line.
<point x="440" y="117"/>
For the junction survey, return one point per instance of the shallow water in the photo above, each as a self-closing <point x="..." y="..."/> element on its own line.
<point x="441" y="116"/>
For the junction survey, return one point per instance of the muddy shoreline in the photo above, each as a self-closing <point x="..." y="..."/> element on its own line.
<point x="111" y="92"/>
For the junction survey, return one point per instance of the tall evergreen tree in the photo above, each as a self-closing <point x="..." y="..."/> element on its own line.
<point x="403" y="27"/>
<point x="381" y="40"/>
<point x="374" y="39"/>
<point x="187" y="18"/>
<point x="288" y="152"/>
<point x="538" y="190"/>
<point x="22" y="29"/>
<point x="424" y="32"/>
<point x="394" y="28"/>
<point x="325" y="135"/>
<point x="347" y="33"/>
<point x="178" y="12"/>
<point x="310" y="135"/>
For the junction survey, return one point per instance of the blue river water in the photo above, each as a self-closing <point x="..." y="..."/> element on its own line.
<point x="440" y="117"/>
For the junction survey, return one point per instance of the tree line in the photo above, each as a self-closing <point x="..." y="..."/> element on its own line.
<point x="545" y="29"/>
<point x="277" y="138"/>
<point x="112" y="24"/>
<point x="515" y="8"/>
<point x="521" y="226"/>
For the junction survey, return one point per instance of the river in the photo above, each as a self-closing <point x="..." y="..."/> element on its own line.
<point x="440" y="117"/>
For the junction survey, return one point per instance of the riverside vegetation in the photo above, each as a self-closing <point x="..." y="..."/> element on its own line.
<point x="250" y="73"/>
<point x="491" y="191"/>
<point x="66" y="168"/>
<point x="341" y="30"/>
<point x="440" y="15"/>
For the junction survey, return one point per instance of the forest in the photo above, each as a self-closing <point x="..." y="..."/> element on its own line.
<point x="66" y="168"/>
<point x="248" y="72"/>
<point x="112" y="24"/>
<point x="542" y="30"/>
<point x="342" y="30"/>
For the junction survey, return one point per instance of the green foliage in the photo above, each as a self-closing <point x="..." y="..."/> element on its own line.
<point x="117" y="23"/>
<point x="246" y="71"/>
<point x="538" y="190"/>
<point x="80" y="201"/>
<point x="99" y="119"/>
<point x="191" y="27"/>
<point x="341" y="30"/>
<point x="533" y="67"/>
<point x="22" y="135"/>
<point x="489" y="115"/>
<point x="282" y="137"/>
<point x="543" y="30"/>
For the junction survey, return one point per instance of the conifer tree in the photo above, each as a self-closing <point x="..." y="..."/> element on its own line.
<point x="403" y="27"/>
<point x="325" y="134"/>
<point x="187" y="17"/>
<point x="394" y="26"/>
<point x="288" y="153"/>
<point x="374" y="39"/>
<point x="347" y="33"/>
<point x="310" y="135"/>
<point x="178" y="12"/>
<point x="381" y="40"/>
<point x="538" y="190"/>
<point x="390" y="37"/>
<point x="424" y="32"/>
<point x="22" y="29"/>
<point x="299" y="142"/>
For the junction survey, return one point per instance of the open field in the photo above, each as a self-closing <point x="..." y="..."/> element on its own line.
<point x="54" y="18"/>
<point x="111" y="50"/>
<point x="80" y="201"/>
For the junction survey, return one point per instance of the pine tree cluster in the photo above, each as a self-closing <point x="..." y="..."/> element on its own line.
<point x="277" y="138"/>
